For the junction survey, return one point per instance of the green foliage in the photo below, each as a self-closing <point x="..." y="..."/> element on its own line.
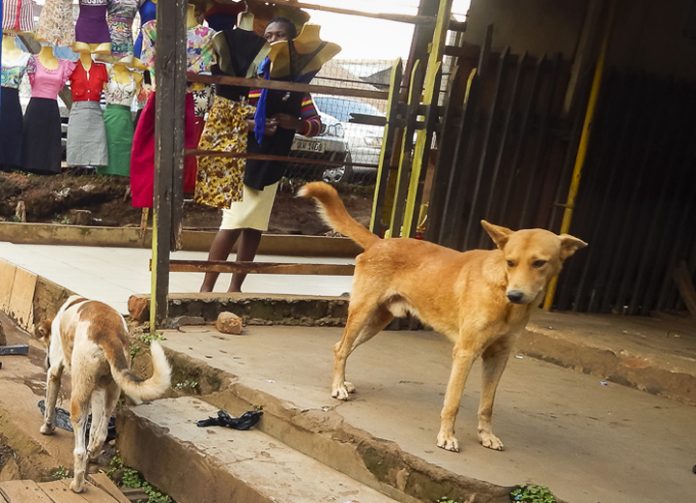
<point x="445" y="499"/>
<point x="189" y="383"/>
<point x="133" y="479"/>
<point x="530" y="493"/>
<point x="60" y="473"/>
<point x="143" y="340"/>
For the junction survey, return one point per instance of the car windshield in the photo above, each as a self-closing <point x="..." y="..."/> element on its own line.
<point x="342" y="108"/>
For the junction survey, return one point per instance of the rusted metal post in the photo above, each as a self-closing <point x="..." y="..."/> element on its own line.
<point x="170" y="75"/>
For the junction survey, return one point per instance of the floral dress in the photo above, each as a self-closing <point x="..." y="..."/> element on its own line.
<point x="120" y="15"/>
<point x="56" y="23"/>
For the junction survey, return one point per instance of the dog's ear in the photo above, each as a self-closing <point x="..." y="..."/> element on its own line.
<point x="569" y="245"/>
<point x="42" y="330"/>
<point x="498" y="234"/>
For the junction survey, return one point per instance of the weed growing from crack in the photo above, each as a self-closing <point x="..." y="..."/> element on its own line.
<point x="530" y="493"/>
<point x="131" y="478"/>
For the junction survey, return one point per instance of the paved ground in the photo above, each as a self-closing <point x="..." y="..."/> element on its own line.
<point x="588" y="440"/>
<point x="113" y="274"/>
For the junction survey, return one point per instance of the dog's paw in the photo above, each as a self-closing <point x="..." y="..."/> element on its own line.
<point x="47" y="429"/>
<point x="343" y="392"/>
<point x="76" y="487"/>
<point x="447" y="442"/>
<point x="491" y="441"/>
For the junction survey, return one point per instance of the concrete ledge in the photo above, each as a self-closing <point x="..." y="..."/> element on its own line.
<point x="268" y="309"/>
<point x="132" y="237"/>
<point x="613" y="364"/>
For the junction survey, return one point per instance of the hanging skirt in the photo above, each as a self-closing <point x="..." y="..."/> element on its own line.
<point x="10" y="129"/>
<point x="41" y="149"/>
<point x="143" y="153"/>
<point x="86" y="135"/>
<point x="252" y="212"/>
<point x="219" y="179"/>
<point x="118" y="123"/>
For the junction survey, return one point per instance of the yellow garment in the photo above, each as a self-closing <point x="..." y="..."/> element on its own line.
<point x="219" y="180"/>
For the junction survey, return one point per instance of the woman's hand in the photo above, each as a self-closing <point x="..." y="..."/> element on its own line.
<point x="287" y="121"/>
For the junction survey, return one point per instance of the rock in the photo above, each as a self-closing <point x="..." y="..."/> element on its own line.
<point x="229" y="323"/>
<point x="3" y="339"/>
<point x="80" y="217"/>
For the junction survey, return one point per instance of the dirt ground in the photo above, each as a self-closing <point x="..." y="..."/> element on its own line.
<point x="55" y="198"/>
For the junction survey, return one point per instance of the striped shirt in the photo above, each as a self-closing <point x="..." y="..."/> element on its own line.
<point x="311" y="124"/>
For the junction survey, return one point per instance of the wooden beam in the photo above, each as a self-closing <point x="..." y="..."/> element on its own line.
<point x="260" y="267"/>
<point x="170" y="75"/>
<point x="401" y="18"/>
<point x="283" y="85"/>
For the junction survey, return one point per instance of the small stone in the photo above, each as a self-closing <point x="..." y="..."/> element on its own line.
<point x="229" y="323"/>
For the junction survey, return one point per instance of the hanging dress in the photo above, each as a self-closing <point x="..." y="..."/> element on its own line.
<point x="199" y="58"/>
<point x="41" y="148"/>
<point x="11" y="112"/>
<point x="118" y="121"/>
<point x="120" y="15"/>
<point x="219" y="180"/>
<point x="17" y="15"/>
<point x="86" y="145"/>
<point x="56" y="23"/>
<point x="148" y="12"/>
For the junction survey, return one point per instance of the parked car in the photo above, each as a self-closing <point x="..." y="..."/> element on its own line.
<point x="364" y="140"/>
<point x="329" y="145"/>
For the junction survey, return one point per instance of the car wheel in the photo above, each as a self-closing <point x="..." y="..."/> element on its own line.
<point x="339" y="175"/>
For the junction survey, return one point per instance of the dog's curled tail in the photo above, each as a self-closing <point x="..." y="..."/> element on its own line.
<point x="334" y="213"/>
<point x="148" y="389"/>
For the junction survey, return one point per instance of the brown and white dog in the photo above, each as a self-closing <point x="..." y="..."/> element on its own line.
<point x="90" y="340"/>
<point x="480" y="299"/>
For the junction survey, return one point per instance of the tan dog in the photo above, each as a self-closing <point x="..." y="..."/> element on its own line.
<point x="479" y="299"/>
<point x="90" y="340"/>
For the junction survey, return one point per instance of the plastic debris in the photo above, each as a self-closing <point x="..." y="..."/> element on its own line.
<point x="604" y="383"/>
<point x="519" y="357"/>
<point x="62" y="421"/>
<point x="243" y="422"/>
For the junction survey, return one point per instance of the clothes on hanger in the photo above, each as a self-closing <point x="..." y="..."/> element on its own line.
<point x="11" y="73"/>
<point x="56" y="24"/>
<point x="91" y="26"/>
<point x="17" y="15"/>
<point x="148" y="12"/>
<point x="120" y="16"/>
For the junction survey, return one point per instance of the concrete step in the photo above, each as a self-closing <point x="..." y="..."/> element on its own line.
<point x="225" y="465"/>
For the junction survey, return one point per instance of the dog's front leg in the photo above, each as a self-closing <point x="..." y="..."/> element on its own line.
<point x="462" y="359"/>
<point x="495" y="359"/>
<point x="53" y="377"/>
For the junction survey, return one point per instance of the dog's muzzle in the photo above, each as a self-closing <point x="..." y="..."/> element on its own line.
<point x="516" y="296"/>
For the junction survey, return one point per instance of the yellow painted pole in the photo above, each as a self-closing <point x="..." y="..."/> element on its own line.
<point x="584" y="141"/>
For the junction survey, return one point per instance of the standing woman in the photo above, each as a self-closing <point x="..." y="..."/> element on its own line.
<point x="279" y="115"/>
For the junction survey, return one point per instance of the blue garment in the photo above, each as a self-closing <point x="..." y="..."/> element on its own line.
<point x="148" y="12"/>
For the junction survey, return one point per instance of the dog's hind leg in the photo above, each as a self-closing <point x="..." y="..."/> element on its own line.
<point x="363" y="323"/>
<point x="79" y="410"/>
<point x="495" y="359"/>
<point x="53" y="376"/>
<point x="102" y="408"/>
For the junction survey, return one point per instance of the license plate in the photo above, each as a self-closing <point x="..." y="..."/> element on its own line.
<point x="307" y="145"/>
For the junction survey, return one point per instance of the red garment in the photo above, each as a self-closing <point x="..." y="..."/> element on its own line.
<point x="142" y="171"/>
<point x="88" y="86"/>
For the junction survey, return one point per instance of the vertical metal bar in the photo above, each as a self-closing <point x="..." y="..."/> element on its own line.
<point x="618" y="95"/>
<point x="542" y="132"/>
<point x="454" y="199"/>
<point x="170" y="74"/>
<point x="486" y="151"/>
<point x="421" y="152"/>
<point x="430" y="93"/>
<point x="680" y="132"/>
<point x="406" y="158"/>
<point x="449" y="136"/>
<point x="515" y="93"/>
<point x="377" y="224"/>
<point x="584" y="140"/>
<point x="517" y="152"/>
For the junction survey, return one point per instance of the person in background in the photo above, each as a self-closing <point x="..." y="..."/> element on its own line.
<point x="279" y="115"/>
